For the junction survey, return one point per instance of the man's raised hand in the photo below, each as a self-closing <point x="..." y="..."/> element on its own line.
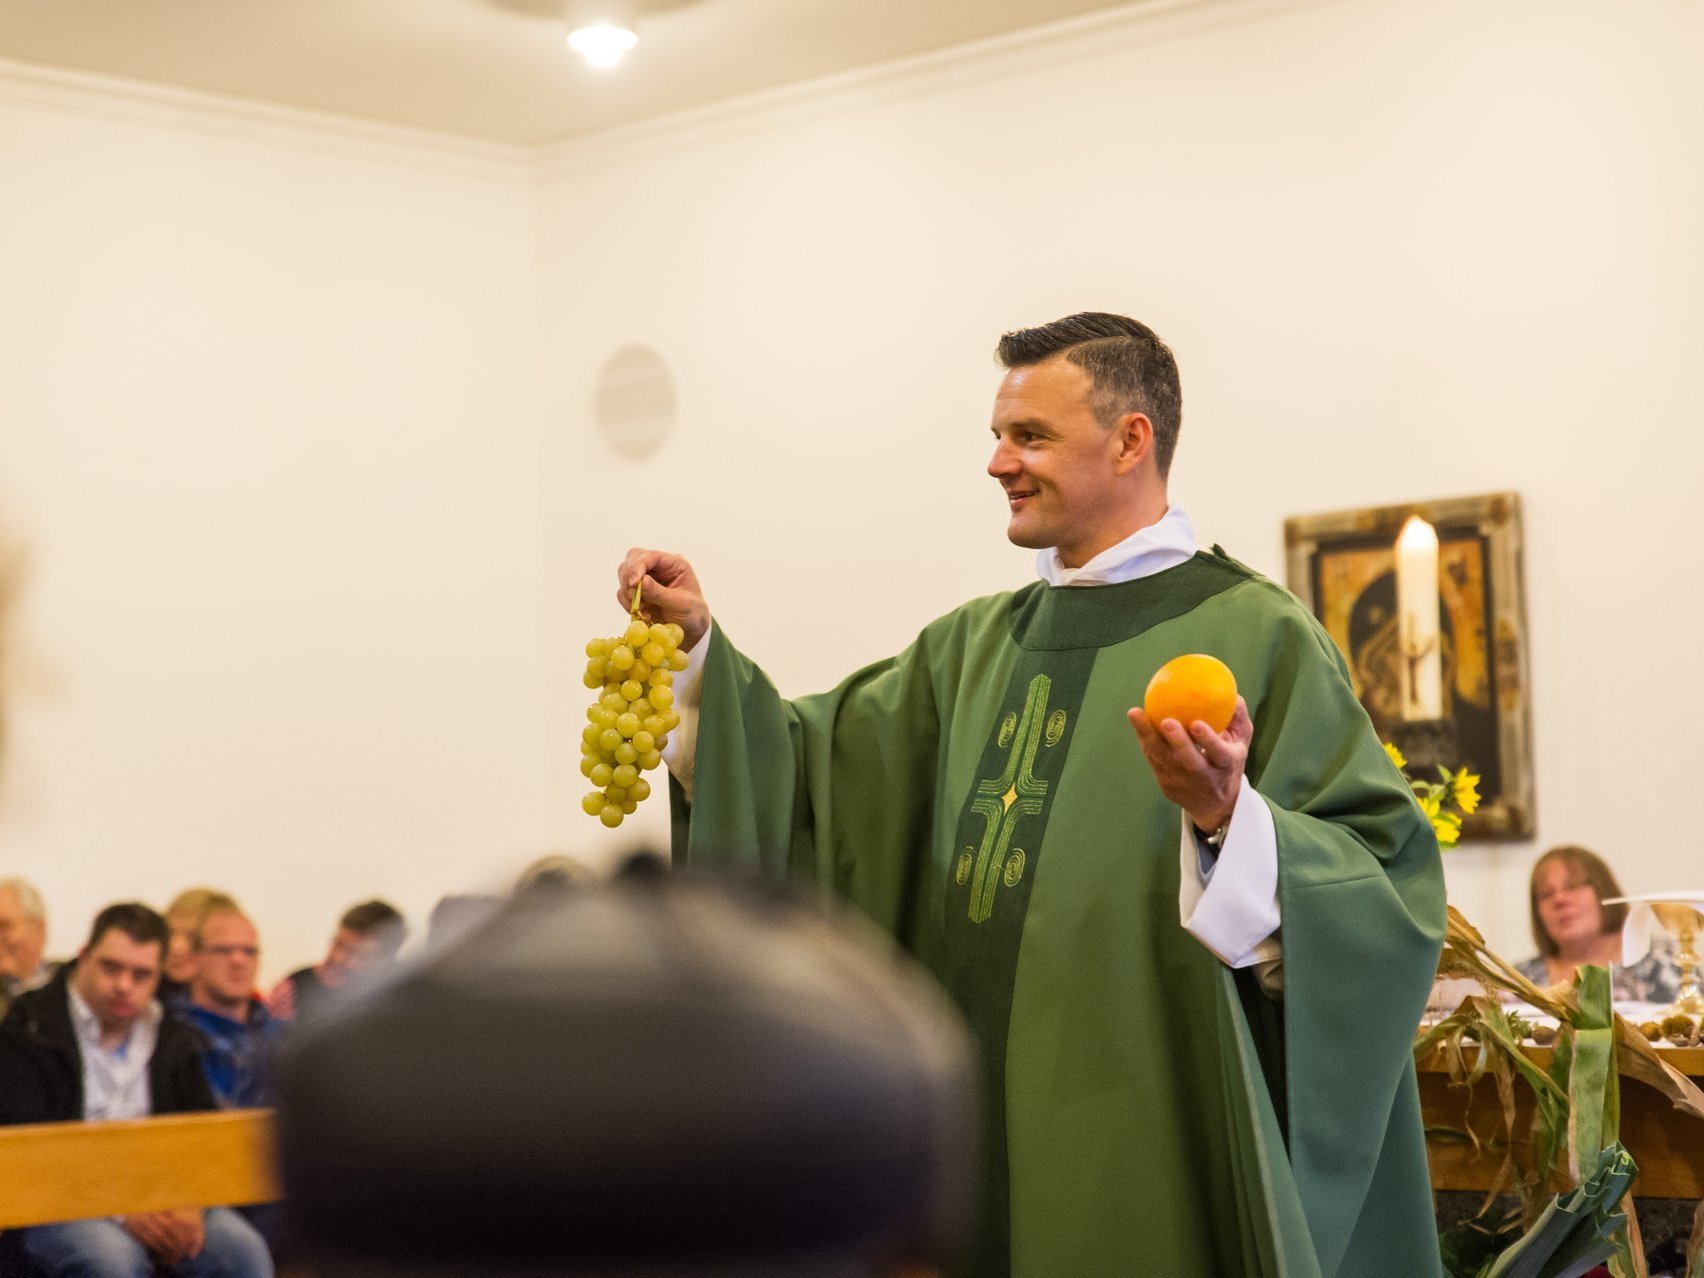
<point x="1198" y="769"/>
<point x="671" y="591"/>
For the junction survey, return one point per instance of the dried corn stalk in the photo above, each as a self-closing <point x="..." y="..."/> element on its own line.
<point x="1576" y="1111"/>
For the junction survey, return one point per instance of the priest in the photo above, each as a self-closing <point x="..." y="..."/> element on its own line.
<point x="1193" y="960"/>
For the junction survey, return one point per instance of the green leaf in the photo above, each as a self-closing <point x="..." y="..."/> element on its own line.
<point x="1594" y="1091"/>
<point x="1575" y="1232"/>
<point x="1497" y="1026"/>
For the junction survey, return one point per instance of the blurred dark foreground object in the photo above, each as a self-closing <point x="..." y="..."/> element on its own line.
<point x="664" y="1075"/>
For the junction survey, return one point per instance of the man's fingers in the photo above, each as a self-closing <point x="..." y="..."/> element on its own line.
<point x="634" y="569"/>
<point x="637" y="563"/>
<point x="149" y="1230"/>
<point x="1216" y="756"/>
<point x="175" y="1231"/>
<point x="665" y="580"/>
<point x="1157" y="749"/>
<point x="172" y="1244"/>
<point x="194" y="1233"/>
<point x="1185" y="754"/>
<point x="1153" y="736"/>
<point x="1168" y="746"/>
<point x="1242" y="726"/>
<point x="661" y="564"/>
<point x="1219" y="751"/>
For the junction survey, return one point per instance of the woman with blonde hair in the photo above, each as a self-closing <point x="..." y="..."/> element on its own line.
<point x="185" y="915"/>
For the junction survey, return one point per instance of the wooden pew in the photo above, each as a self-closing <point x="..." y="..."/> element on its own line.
<point x="50" y="1172"/>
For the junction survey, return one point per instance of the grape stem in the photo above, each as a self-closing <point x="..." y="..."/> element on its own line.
<point x="638" y="591"/>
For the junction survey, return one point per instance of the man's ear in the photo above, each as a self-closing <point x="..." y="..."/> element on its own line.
<point x="1135" y="442"/>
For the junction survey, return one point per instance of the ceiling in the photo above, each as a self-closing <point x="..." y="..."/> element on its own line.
<point x="493" y="69"/>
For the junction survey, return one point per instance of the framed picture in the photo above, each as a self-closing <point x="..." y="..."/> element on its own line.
<point x="1344" y="567"/>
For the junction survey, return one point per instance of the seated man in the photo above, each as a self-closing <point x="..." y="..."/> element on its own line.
<point x="368" y="938"/>
<point x="660" y="1076"/>
<point x="93" y="1044"/>
<point x="239" y="1032"/>
<point x="23" y="939"/>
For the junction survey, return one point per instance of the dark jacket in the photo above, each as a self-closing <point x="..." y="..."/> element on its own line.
<point x="41" y="1065"/>
<point x="236" y="1055"/>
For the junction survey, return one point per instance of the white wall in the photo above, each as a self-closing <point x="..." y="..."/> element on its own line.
<point x="267" y="445"/>
<point x="1403" y="249"/>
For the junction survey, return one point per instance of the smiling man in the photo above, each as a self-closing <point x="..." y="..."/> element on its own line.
<point x="94" y="1045"/>
<point x="1154" y="929"/>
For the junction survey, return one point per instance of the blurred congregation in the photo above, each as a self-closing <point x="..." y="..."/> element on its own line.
<point x="158" y="1014"/>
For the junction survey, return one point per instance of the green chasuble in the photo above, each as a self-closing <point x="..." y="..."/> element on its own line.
<point x="984" y="798"/>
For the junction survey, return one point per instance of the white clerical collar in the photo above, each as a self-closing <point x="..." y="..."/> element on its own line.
<point x="1143" y="553"/>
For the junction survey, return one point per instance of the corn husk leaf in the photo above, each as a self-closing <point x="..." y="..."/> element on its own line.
<point x="1629" y="1260"/>
<point x="1594" y="1093"/>
<point x="1498" y="1054"/>
<point x="1695" y="1247"/>
<point x="1495" y="1025"/>
<point x="1465" y="954"/>
<point x="1638" y="1059"/>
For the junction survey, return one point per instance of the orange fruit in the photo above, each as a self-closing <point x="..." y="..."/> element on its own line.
<point x="1191" y="687"/>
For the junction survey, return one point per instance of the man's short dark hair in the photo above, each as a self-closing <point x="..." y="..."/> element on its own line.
<point x="1130" y="370"/>
<point x="141" y="924"/>
<point x="378" y="919"/>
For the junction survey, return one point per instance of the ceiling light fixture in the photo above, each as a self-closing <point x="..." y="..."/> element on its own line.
<point x="602" y="31"/>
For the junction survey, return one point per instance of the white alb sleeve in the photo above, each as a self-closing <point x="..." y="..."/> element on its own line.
<point x="1232" y="907"/>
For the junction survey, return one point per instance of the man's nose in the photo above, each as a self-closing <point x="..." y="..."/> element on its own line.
<point x="1003" y="462"/>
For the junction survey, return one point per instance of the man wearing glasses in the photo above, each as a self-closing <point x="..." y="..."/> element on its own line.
<point x="240" y="1033"/>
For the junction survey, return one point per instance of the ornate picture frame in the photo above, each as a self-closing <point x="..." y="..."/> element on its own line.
<point x="1343" y="566"/>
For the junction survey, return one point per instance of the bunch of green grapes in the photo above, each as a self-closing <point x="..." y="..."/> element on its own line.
<point x="629" y="723"/>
